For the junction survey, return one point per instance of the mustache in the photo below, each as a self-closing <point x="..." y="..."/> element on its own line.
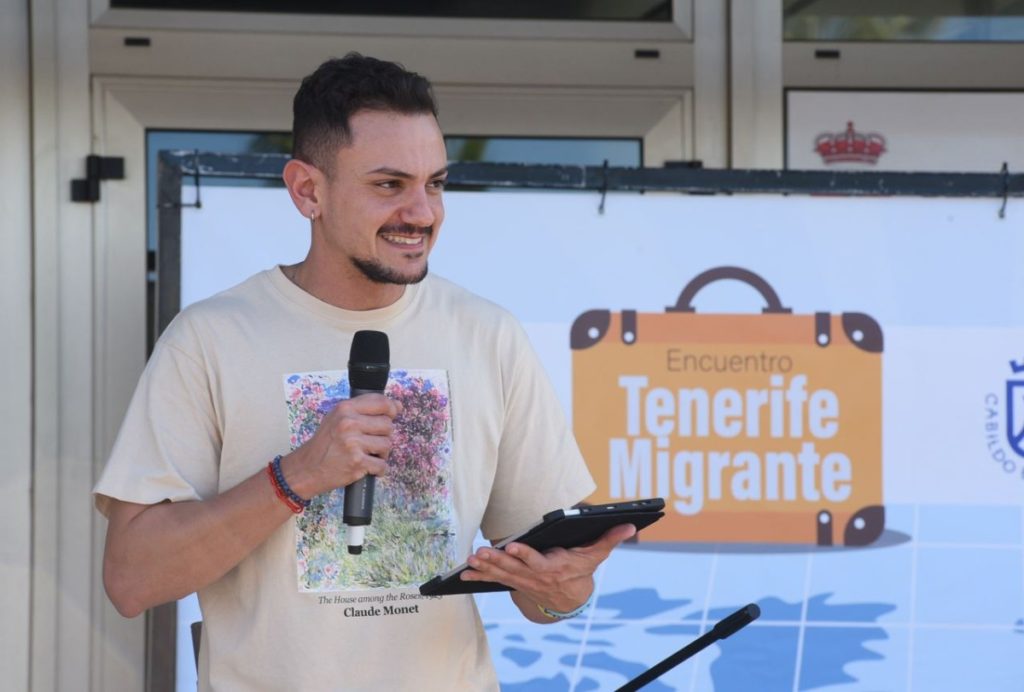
<point x="407" y="229"/>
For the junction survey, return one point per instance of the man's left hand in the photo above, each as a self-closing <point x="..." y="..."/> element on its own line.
<point x="560" y="579"/>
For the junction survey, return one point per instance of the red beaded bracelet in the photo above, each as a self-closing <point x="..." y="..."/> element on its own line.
<point x="279" y="491"/>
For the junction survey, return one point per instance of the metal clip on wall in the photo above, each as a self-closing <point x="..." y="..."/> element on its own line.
<point x="97" y="168"/>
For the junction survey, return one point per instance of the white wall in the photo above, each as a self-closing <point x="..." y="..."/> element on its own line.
<point x="15" y="346"/>
<point x="64" y="586"/>
<point x="756" y="83"/>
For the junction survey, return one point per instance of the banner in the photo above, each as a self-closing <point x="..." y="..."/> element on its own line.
<point x="828" y="392"/>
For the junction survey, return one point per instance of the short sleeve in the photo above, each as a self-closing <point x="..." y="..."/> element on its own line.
<point x="168" y="447"/>
<point x="540" y="467"/>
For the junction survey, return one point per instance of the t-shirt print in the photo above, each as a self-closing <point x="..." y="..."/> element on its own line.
<point x="412" y="535"/>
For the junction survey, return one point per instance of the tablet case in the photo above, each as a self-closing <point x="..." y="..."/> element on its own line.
<point x="565" y="528"/>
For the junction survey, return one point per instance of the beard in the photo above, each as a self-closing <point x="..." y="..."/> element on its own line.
<point x="377" y="272"/>
<point x="380" y="274"/>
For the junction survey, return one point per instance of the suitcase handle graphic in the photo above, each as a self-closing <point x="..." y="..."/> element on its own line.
<point x="861" y="330"/>
<point x="685" y="301"/>
<point x="592" y="326"/>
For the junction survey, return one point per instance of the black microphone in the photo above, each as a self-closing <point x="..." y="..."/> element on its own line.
<point x="368" y="369"/>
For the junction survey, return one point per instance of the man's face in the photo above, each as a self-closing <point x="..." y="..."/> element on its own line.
<point x="382" y="209"/>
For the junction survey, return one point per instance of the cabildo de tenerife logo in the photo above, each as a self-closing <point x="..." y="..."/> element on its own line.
<point x="1004" y="422"/>
<point x="754" y="428"/>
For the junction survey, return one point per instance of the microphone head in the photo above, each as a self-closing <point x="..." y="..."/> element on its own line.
<point x="368" y="361"/>
<point x="369" y="346"/>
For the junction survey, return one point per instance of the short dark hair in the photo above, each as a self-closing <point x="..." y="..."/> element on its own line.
<point x="341" y="87"/>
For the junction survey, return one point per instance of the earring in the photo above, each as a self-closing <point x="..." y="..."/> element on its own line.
<point x="312" y="215"/>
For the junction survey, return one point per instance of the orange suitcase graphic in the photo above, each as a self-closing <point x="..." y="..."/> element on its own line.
<point x="755" y="428"/>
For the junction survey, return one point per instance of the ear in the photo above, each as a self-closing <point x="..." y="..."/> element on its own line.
<point x="303" y="181"/>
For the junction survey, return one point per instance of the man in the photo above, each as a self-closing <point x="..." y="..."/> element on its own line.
<point x="470" y="428"/>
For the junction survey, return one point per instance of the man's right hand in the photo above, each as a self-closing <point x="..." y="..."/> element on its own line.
<point x="353" y="440"/>
<point x="157" y="553"/>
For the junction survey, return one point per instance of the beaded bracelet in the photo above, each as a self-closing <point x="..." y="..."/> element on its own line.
<point x="283" y="490"/>
<point x="559" y="615"/>
<point x="280" y="493"/>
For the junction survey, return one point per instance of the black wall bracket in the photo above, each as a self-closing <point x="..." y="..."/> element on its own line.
<point x="97" y="168"/>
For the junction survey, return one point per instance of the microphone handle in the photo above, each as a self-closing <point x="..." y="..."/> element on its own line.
<point x="358" y="508"/>
<point x="724" y="628"/>
<point x="669" y="663"/>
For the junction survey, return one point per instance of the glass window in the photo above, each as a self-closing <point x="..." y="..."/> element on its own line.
<point x="614" y="10"/>
<point x="219" y="142"/>
<point x="903" y="20"/>
<point x="546" y="150"/>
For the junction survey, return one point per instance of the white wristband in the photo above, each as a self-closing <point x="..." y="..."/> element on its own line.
<point x="558" y="615"/>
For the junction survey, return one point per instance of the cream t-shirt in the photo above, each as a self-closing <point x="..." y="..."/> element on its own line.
<point x="482" y="443"/>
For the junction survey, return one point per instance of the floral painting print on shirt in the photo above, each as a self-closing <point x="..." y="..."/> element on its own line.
<point x="412" y="535"/>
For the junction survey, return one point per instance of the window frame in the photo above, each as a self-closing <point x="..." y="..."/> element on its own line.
<point x="679" y="29"/>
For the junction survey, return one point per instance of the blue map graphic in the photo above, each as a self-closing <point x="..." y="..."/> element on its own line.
<point x="747" y="662"/>
<point x="942" y="610"/>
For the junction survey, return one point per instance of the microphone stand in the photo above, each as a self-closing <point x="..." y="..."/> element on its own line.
<point x="723" y="628"/>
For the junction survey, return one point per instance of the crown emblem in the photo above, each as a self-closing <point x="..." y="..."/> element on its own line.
<point x="839" y="147"/>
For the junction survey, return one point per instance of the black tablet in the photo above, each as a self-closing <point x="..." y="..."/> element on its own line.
<point x="566" y="528"/>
